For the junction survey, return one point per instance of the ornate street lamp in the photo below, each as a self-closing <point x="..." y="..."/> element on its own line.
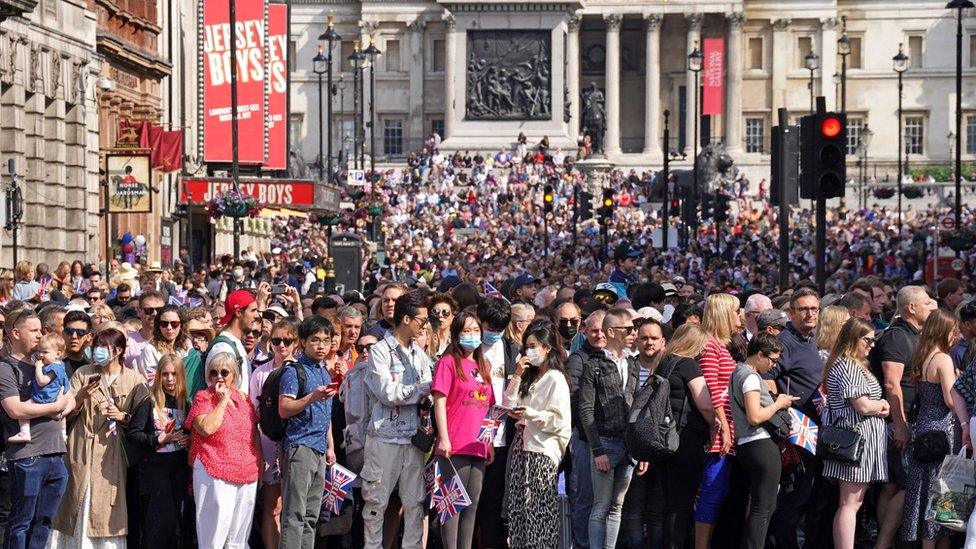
<point x="844" y="49"/>
<point x="900" y="64"/>
<point x="356" y="59"/>
<point x="372" y="51"/>
<point x="320" y="65"/>
<point x="695" y="60"/>
<point x="812" y="62"/>
<point x="331" y="38"/>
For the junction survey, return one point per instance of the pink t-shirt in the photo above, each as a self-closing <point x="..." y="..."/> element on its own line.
<point x="468" y="403"/>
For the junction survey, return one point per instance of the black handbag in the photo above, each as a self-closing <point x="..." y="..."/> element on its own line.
<point x="930" y="447"/>
<point x="424" y="438"/>
<point x="779" y="426"/>
<point x="841" y="443"/>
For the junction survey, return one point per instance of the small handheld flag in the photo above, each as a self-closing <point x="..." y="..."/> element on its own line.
<point x="803" y="431"/>
<point x="451" y="499"/>
<point x="338" y="485"/>
<point x="491" y="422"/>
<point x="432" y="479"/>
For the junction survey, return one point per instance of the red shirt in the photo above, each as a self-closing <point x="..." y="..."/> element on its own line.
<point x="229" y="453"/>
<point x="717" y="366"/>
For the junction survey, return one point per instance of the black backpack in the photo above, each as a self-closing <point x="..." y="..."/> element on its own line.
<point x="272" y="424"/>
<point x="652" y="429"/>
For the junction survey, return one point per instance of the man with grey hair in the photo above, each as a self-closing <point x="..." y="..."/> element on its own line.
<point x="351" y="326"/>
<point x="52" y="319"/>
<point x="755" y="304"/>
<point x="890" y="360"/>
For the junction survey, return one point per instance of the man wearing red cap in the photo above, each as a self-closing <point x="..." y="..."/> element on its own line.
<point x="241" y="311"/>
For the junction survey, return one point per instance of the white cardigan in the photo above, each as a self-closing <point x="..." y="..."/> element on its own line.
<point x="547" y="414"/>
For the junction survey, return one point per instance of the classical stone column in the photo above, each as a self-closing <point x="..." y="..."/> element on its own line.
<point x="652" y="86"/>
<point x="828" y="61"/>
<point x="572" y="75"/>
<point x="612" y="82"/>
<point x="694" y="21"/>
<point x="733" y="84"/>
<point x="416" y="123"/>
<point x="781" y="62"/>
<point x="450" y="54"/>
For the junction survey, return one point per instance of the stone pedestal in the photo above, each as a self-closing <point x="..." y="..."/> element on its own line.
<point x="596" y="175"/>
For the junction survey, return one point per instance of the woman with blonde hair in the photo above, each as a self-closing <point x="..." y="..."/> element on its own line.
<point x="934" y="374"/>
<point x="721" y="319"/>
<point x="679" y="475"/>
<point x="102" y="313"/>
<point x="6" y="285"/>
<point x="854" y="399"/>
<point x="522" y="315"/>
<point x="831" y="320"/>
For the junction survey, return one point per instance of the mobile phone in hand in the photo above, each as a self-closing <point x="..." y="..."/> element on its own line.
<point x="279" y="289"/>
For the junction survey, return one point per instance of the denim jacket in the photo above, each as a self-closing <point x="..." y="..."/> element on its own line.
<point x="394" y="388"/>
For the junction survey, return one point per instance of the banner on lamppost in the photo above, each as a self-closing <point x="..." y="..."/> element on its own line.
<point x="249" y="34"/>
<point x="713" y="74"/>
<point x="277" y="79"/>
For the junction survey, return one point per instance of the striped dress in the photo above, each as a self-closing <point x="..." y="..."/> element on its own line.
<point x="845" y="381"/>
<point x="717" y="366"/>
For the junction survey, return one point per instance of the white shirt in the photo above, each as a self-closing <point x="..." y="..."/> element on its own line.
<point x="495" y="355"/>
<point x="622" y="364"/>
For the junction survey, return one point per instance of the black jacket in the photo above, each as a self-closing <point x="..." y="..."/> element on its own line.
<point x="603" y="405"/>
<point x="574" y="367"/>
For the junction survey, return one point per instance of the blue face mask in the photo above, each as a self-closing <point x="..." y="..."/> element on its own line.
<point x="490" y="338"/>
<point x="88" y="355"/>
<point x="469" y="342"/>
<point x="101" y="356"/>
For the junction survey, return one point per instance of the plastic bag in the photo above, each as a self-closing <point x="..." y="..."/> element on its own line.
<point x="953" y="493"/>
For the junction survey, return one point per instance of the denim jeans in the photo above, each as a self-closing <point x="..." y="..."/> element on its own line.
<point x="581" y="487"/>
<point x="36" y="487"/>
<point x="609" y="490"/>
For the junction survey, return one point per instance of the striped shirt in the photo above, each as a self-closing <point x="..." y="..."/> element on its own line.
<point x="717" y="366"/>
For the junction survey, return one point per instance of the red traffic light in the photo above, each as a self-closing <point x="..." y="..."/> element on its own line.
<point x="831" y="127"/>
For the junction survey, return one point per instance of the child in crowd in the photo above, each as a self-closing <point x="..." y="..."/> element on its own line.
<point x="50" y="379"/>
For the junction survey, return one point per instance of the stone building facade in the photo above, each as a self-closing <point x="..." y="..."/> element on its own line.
<point x="636" y="53"/>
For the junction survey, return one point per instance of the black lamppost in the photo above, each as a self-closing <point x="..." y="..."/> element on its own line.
<point x="695" y="59"/>
<point x="372" y="51"/>
<point x="356" y="59"/>
<point x="900" y="63"/>
<point x="812" y="63"/>
<point x="863" y="142"/>
<point x="844" y="49"/>
<point x="343" y="157"/>
<point x="320" y="65"/>
<point x="958" y="5"/>
<point x="331" y="38"/>
<point x="666" y="177"/>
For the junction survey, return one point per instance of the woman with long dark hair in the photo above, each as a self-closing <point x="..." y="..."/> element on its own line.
<point x="538" y="394"/>
<point x="463" y="396"/>
<point x="169" y="336"/>
<point x="442" y="310"/>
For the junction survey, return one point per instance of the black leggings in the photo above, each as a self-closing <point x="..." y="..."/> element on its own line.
<point x="761" y="460"/>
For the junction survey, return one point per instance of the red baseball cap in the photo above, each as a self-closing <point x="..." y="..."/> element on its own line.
<point x="237" y="300"/>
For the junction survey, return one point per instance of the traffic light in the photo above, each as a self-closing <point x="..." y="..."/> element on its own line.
<point x="707" y="205"/>
<point x="605" y="211"/>
<point x="584" y="205"/>
<point x="675" y="207"/>
<point x="722" y="207"/>
<point x="823" y="158"/>
<point x="547" y="198"/>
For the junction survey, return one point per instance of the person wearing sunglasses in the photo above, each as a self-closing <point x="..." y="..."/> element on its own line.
<point x="169" y="336"/>
<point x="284" y="341"/>
<point x="94" y="510"/>
<point x="225" y="456"/>
<point x="607" y="388"/>
<point x="442" y="311"/>
<point x="150" y="303"/>
<point x="77" y="336"/>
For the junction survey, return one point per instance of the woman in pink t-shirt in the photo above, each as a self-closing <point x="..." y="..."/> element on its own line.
<point x="462" y="399"/>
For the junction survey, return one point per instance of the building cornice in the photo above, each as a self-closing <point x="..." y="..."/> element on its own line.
<point x="471" y="6"/>
<point x="16" y="8"/>
<point x="115" y="51"/>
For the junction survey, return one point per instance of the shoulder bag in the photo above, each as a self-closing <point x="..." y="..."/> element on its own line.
<point x="841" y="443"/>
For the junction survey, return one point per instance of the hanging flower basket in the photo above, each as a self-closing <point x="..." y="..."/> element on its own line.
<point x="912" y="192"/>
<point x="883" y="193"/>
<point x="233" y="203"/>
<point x="960" y="240"/>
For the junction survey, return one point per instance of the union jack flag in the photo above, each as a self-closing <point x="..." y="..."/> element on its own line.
<point x="182" y="299"/>
<point x="451" y="499"/>
<point x="338" y="485"/>
<point x="819" y="401"/>
<point x="112" y="424"/>
<point x="804" y="431"/>
<point x="493" y="292"/>
<point x="491" y="422"/>
<point x="432" y="479"/>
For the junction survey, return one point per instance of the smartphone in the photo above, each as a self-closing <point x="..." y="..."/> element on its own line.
<point x="279" y="289"/>
<point x="334" y="386"/>
<point x="97" y="378"/>
<point x="170" y="425"/>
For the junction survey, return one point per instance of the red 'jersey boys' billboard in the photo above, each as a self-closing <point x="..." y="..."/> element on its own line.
<point x="249" y="36"/>
<point x="269" y="192"/>
<point x="277" y="76"/>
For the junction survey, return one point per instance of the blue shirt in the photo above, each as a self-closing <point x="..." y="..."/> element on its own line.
<point x="50" y="392"/>
<point x="309" y="427"/>
<point x="800" y="363"/>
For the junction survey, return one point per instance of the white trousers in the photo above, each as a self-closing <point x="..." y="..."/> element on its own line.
<point x="224" y="510"/>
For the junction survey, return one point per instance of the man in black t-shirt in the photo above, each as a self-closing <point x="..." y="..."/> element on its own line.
<point x="77" y="338"/>
<point x="891" y="363"/>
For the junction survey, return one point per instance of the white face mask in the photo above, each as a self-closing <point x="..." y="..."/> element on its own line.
<point x="535" y="356"/>
<point x="238" y="273"/>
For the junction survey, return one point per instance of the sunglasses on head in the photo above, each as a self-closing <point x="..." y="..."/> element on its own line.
<point x="220" y="373"/>
<point x="151" y="311"/>
<point x="76" y="332"/>
<point x="169" y="324"/>
<point x="282" y="341"/>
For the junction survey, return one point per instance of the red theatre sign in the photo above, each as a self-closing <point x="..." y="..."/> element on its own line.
<point x="713" y="74"/>
<point x="277" y="87"/>
<point x="268" y="192"/>
<point x="214" y="44"/>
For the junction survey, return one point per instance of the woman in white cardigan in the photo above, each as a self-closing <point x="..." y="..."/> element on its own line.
<point x="538" y="394"/>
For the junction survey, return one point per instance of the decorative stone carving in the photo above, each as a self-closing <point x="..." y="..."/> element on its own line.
<point x="782" y="24"/>
<point x="828" y="23"/>
<point x="56" y="66"/>
<point x="652" y="21"/>
<point x="368" y="27"/>
<point x="33" y="69"/>
<point x="449" y="22"/>
<point x="574" y="23"/>
<point x="417" y="25"/>
<point x="13" y="41"/>
<point x="614" y="22"/>
<point x="735" y="19"/>
<point x="508" y="75"/>
<point x="694" y="21"/>
<point x="79" y="81"/>
<point x="595" y="117"/>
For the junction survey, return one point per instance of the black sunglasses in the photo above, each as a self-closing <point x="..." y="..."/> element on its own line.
<point x="151" y="311"/>
<point x="360" y="349"/>
<point x="169" y="324"/>
<point x="270" y="316"/>
<point x="282" y="341"/>
<point x="76" y="332"/>
<point x="254" y="332"/>
<point x="220" y="373"/>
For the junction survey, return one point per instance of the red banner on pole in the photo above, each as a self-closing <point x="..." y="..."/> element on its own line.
<point x="278" y="87"/>
<point x="713" y="73"/>
<point x="249" y="35"/>
<point x="268" y="192"/>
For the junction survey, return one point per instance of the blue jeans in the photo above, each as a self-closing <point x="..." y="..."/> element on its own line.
<point x="36" y="487"/>
<point x="581" y="487"/>
<point x="609" y="490"/>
